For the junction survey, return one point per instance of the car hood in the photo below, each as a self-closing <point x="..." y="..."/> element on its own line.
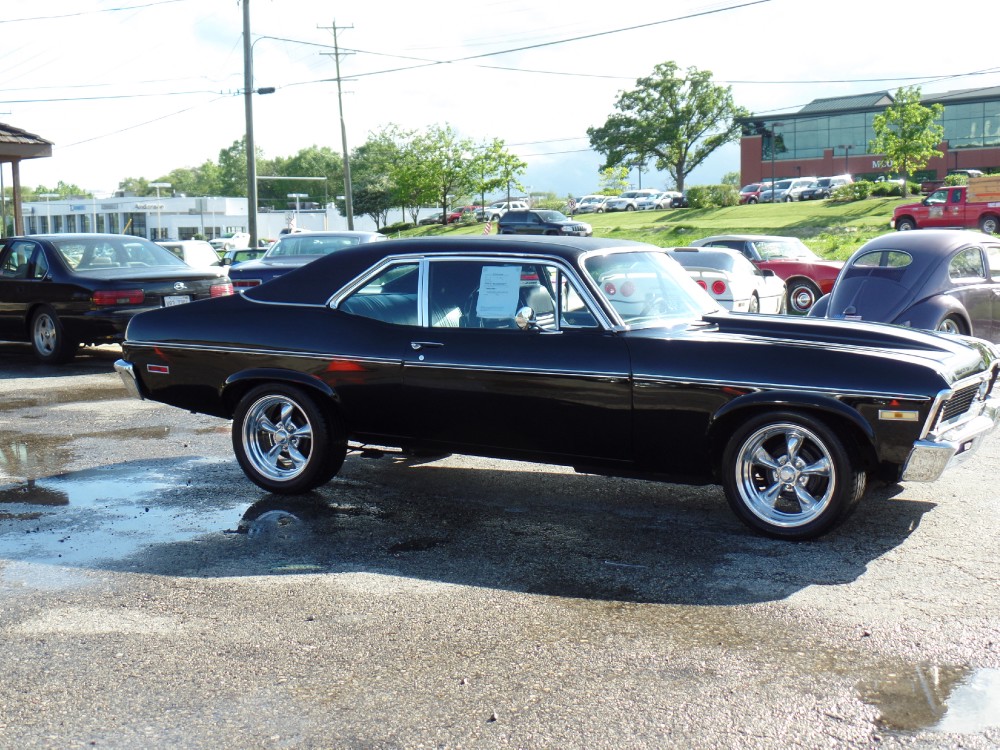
<point x="834" y="265"/>
<point x="863" y="356"/>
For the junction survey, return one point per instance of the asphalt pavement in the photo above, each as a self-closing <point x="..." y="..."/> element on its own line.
<point x="151" y="596"/>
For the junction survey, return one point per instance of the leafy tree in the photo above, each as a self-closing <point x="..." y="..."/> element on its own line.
<point x="731" y="178"/>
<point x="313" y="161"/>
<point x="233" y="168"/>
<point x="494" y="168"/>
<point x="613" y="180"/>
<point x="676" y="120"/>
<point x="907" y="133"/>
<point x="372" y="188"/>
<point x="447" y="159"/>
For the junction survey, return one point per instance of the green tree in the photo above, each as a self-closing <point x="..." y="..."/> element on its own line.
<point x="677" y="120"/>
<point x="731" y="178"/>
<point x="494" y="168"/>
<point x="613" y="180"/>
<point x="233" y="168"/>
<point x="312" y="162"/>
<point x="372" y="187"/>
<point x="447" y="158"/>
<point x="907" y="133"/>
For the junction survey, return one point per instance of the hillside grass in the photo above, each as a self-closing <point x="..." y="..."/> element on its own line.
<point x="832" y="230"/>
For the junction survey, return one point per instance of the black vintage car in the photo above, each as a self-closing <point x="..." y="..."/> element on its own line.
<point x="62" y="290"/>
<point x="593" y="353"/>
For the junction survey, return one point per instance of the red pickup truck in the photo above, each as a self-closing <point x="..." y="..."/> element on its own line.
<point x="972" y="206"/>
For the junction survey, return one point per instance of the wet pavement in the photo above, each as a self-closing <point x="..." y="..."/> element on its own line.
<point x="151" y="595"/>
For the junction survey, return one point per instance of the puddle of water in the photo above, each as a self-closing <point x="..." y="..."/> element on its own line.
<point x="945" y="699"/>
<point x="108" y="513"/>
<point x="30" y="457"/>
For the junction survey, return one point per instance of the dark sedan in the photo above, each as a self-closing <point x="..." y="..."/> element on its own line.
<point x="62" y="290"/>
<point x="939" y="279"/>
<point x="599" y="354"/>
<point x="294" y="250"/>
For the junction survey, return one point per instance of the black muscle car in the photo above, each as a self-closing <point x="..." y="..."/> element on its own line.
<point x="598" y="354"/>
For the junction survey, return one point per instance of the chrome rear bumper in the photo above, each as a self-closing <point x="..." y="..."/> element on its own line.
<point x="127" y="374"/>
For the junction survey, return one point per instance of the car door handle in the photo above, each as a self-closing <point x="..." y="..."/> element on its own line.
<point x="418" y="345"/>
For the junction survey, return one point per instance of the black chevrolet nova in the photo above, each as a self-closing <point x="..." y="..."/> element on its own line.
<point x="597" y="354"/>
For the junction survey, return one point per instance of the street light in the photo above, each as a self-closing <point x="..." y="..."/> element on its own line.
<point x="48" y="210"/>
<point x="847" y="149"/>
<point x="296" y="196"/>
<point x="158" y="185"/>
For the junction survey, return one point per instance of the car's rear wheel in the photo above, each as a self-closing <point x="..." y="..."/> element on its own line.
<point x="989" y="224"/>
<point x="751" y="200"/>
<point x="802" y="295"/>
<point x="48" y="338"/>
<point x="630" y="208"/>
<point x="951" y="324"/>
<point x="905" y="225"/>
<point x="789" y="476"/>
<point x="754" y="304"/>
<point x="284" y="441"/>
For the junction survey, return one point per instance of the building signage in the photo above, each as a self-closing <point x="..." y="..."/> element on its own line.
<point x="148" y="206"/>
<point x="77" y="207"/>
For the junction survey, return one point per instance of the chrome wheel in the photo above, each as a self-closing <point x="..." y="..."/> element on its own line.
<point x="989" y="224"/>
<point x="950" y="325"/>
<point x="791" y="476"/>
<point x="45" y="335"/>
<point x="785" y="475"/>
<point x="802" y="295"/>
<point x="277" y="437"/>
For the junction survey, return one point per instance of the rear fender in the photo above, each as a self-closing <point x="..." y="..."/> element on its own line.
<point x="239" y="383"/>
<point x="929" y="312"/>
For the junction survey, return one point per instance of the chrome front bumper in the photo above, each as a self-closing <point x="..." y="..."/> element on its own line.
<point x="930" y="458"/>
<point x="127" y="374"/>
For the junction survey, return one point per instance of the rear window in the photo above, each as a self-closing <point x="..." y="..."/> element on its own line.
<point x="883" y="259"/>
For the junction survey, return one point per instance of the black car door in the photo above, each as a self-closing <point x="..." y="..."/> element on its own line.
<point x="476" y="380"/>
<point x="17" y="257"/>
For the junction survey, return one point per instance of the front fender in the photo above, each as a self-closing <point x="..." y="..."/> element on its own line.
<point x="734" y="412"/>
<point x="819" y="309"/>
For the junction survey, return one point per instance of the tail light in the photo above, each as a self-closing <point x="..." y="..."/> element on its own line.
<point x="245" y="283"/>
<point x="115" y="297"/>
<point x="221" y="290"/>
<point x="702" y="284"/>
<point x="718" y="287"/>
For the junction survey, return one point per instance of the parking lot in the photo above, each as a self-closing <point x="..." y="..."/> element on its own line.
<point x="153" y="596"/>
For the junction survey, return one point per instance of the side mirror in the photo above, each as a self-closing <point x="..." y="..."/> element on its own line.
<point x="227" y="261"/>
<point x="525" y="319"/>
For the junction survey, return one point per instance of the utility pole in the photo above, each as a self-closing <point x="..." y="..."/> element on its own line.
<point x="348" y="197"/>
<point x="248" y="108"/>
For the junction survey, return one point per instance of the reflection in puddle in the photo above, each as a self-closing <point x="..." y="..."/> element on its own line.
<point x="30" y="457"/>
<point x="105" y="514"/>
<point x="947" y="699"/>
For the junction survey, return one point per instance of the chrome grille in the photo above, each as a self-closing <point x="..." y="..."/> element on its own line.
<point x="959" y="403"/>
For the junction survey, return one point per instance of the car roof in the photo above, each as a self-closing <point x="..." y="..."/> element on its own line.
<point x="926" y="241"/>
<point x="745" y="237"/>
<point x="316" y="281"/>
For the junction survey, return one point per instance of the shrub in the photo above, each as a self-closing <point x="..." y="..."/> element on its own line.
<point x="713" y="196"/>
<point x="400" y="226"/>
<point x="856" y="191"/>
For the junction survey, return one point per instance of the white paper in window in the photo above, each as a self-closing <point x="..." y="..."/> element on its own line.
<point x="498" y="289"/>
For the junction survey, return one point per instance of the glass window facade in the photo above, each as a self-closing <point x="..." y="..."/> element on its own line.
<point x="966" y="125"/>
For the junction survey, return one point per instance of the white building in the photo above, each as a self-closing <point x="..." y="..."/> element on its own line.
<point x="178" y="218"/>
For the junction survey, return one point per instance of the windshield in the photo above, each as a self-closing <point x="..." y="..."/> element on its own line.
<point x="777" y="249"/>
<point x="552" y="216"/>
<point x="648" y="288"/>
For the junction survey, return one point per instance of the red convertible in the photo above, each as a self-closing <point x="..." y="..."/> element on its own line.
<point x="807" y="277"/>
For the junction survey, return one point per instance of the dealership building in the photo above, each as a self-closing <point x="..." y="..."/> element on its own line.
<point x="831" y="137"/>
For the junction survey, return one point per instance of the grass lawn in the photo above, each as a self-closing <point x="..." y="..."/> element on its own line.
<point x="832" y="230"/>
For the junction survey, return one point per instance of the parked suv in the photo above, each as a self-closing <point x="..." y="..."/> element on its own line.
<point x="628" y="200"/>
<point x="824" y="187"/>
<point x="592" y="204"/>
<point x="495" y="210"/>
<point x="785" y="191"/>
<point x="541" y="221"/>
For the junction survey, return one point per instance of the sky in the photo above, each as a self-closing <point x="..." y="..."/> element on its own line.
<point x="137" y="88"/>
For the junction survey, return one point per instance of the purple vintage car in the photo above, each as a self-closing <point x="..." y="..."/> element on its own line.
<point x="938" y="279"/>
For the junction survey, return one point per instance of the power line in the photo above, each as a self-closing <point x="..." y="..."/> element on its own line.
<point x="76" y="14"/>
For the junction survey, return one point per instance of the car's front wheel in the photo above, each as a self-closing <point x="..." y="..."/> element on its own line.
<point x="989" y="224"/>
<point x="789" y="476"/>
<point x="285" y="442"/>
<point x="802" y="295"/>
<point x="951" y="324"/>
<point x="48" y="338"/>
